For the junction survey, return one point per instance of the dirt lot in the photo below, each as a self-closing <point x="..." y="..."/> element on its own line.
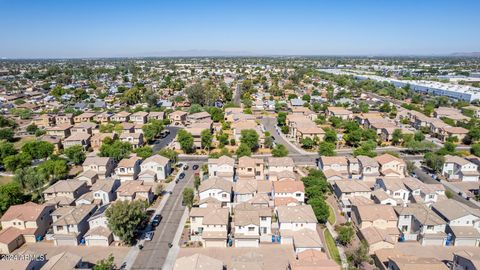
<point x="89" y="254"/>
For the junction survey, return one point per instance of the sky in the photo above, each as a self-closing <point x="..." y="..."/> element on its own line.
<point x="128" y="28"/>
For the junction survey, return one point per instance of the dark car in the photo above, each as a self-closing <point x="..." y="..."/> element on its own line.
<point x="181" y="176"/>
<point x="156" y="220"/>
<point x="194" y="167"/>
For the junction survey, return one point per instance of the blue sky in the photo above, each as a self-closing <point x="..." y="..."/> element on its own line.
<point x="88" y="28"/>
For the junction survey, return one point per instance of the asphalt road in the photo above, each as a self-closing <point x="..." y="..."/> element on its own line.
<point x="237" y="94"/>
<point x="154" y="252"/>
<point x="162" y="143"/>
<point x="269" y="124"/>
<point x="426" y="178"/>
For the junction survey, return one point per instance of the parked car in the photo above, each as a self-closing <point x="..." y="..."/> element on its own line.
<point x="149" y="236"/>
<point x="181" y="176"/>
<point x="185" y="167"/>
<point x="156" y="220"/>
<point x="195" y="167"/>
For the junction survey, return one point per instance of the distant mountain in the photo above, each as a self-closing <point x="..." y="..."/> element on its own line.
<point x="469" y="54"/>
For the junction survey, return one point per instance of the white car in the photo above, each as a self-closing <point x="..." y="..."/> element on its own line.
<point x="148" y="236"/>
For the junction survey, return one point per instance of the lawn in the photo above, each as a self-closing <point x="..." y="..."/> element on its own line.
<point x="5" y="179"/>
<point x="332" y="248"/>
<point x="331" y="216"/>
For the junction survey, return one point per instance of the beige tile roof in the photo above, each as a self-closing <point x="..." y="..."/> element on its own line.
<point x="100" y="161"/>
<point x="244" y="218"/>
<point x="333" y="160"/>
<point x="157" y="159"/>
<point x="296" y="214"/>
<point x="249" y="162"/>
<point x="387" y="158"/>
<point x="421" y="212"/>
<point x="376" y="211"/>
<point x="222" y="160"/>
<point x="288" y="186"/>
<point x="280" y="162"/>
<point x="62" y="261"/>
<point x="129" y="188"/>
<point x="28" y="211"/>
<point x="216" y="183"/>
<point x="352" y="186"/>
<point x="197" y="262"/>
<point x="9" y="235"/>
<point x="75" y="215"/>
<point x="65" y="186"/>
<point x="78" y="136"/>
<point x="405" y="262"/>
<point x="245" y="186"/>
<point x="129" y="162"/>
<point x="211" y="215"/>
<point x="452" y="209"/>
<point x="307" y="238"/>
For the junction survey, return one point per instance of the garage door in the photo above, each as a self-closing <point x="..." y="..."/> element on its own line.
<point x="65" y="242"/>
<point x="246" y="243"/>
<point x="215" y="243"/>
<point x="97" y="242"/>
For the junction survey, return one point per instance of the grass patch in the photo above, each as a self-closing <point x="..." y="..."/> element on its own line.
<point x="331" y="215"/>
<point x="5" y="179"/>
<point x="18" y="144"/>
<point x="332" y="248"/>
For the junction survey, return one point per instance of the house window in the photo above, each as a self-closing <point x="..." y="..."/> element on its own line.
<point x="263" y="218"/>
<point x="298" y="194"/>
<point x="430" y="227"/>
<point x="251" y="229"/>
<point x="193" y="219"/>
<point x="404" y="228"/>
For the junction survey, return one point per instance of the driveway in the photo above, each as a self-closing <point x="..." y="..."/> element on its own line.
<point x="154" y="252"/>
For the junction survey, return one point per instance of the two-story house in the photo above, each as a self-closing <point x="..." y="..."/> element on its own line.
<point x="458" y="168"/>
<point x="128" y="168"/>
<point x="210" y="226"/>
<point x="105" y="190"/>
<point x="139" y="117"/>
<point x="155" y="168"/>
<point x="135" y="190"/>
<point x="369" y="168"/>
<point x="71" y="223"/>
<point x="135" y="139"/>
<point x="289" y="189"/>
<point x="99" y="234"/>
<point x="178" y="118"/>
<point x="216" y="188"/>
<point x="103" y="166"/>
<point x="250" y="168"/>
<point x="65" y="192"/>
<point x="391" y="166"/>
<point x="82" y="139"/>
<point x="223" y="167"/>
<point x="122" y="116"/>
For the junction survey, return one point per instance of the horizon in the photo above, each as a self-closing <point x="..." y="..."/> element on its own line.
<point x="139" y="29"/>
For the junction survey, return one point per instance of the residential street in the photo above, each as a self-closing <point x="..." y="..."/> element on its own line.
<point x="154" y="252"/>
<point x="269" y="123"/>
<point x="162" y="143"/>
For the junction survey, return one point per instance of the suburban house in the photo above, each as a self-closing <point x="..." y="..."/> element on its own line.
<point x="64" y="119"/>
<point x="369" y="168"/>
<point x="250" y="168"/>
<point x="417" y="222"/>
<point x="82" y="139"/>
<point x="395" y="188"/>
<point x="84" y="117"/>
<point x="97" y="139"/>
<point x="377" y="224"/>
<point x="216" y="188"/>
<point x="104" y="190"/>
<point x="155" y="168"/>
<point x="391" y="166"/>
<point x="289" y="188"/>
<point x="71" y="223"/>
<point x="135" y="190"/>
<point x="178" y="118"/>
<point x="250" y="223"/>
<point x="210" y="226"/>
<point x="103" y="166"/>
<point x="139" y="117"/>
<point x="279" y="165"/>
<point x="295" y="218"/>
<point x="128" y="168"/>
<point x="65" y="191"/>
<point x="198" y="117"/>
<point x="22" y="223"/>
<point x="84" y="127"/>
<point x="122" y="116"/>
<point x="458" y="168"/>
<point x="223" y="167"/>
<point x="334" y="168"/>
<point x="61" y="131"/>
<point x="339" y="112"/>
<point x="198" y="262"/>
<point x="245" y="190"/>
<point x="135" y="139"/>
<point x="155" y="116"/>
<point x="99" y="234"/>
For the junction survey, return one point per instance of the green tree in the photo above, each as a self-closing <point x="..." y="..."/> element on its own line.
<point x="326" y="149"/>
<point x="307" y="143"/>
<point x="187" y="197"/>
<point x="434" y="161"/>
<point x="30" y="178"/>
<point x="243" y="150"/>
<point x="115" y="149"/>
<point x="358" y="256"/>
<point x="10" y="194"/>
<point x="397" y="136"/>
<point x="169" y="153"/>
<point x="144" y="152"/>
<point x="31" y="129"/>
<point x="281" y="118"/>
<point x="17" y="161"/>
<point x="419" y="136"/>
<point x="55" y="168"/>
<point x="280" y="151"/>
<point x="197" y="182"/>
<point x="105" y="264"/>
<point x="320" y="208"/>
<point x="366" y="149"/>
<point x="75" y="154"/>
<point x="475" y="149"/>
<point x="345" y="234"/>
<point x="330" y="135"/>
<point x="353" y="138"/>
<point x="250" y="138"/>
<point x="206" y="139"/>
<point x="38" y="149"/>
<point x="6" y="134"/>
<point x="195" y="108"/>
<point x="185" y="139"/>
<point x="124" y="217"/>
<point x="6" y="149"/>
